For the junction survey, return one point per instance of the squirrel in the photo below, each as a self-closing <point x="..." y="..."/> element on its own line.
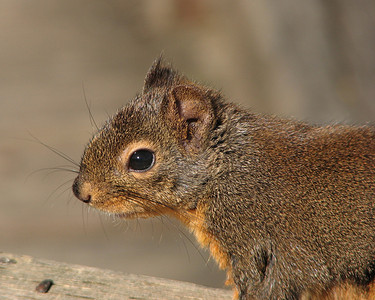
<point x="286" y="208"/>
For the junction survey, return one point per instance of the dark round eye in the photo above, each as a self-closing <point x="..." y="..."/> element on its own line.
<point x="141" y="160"/>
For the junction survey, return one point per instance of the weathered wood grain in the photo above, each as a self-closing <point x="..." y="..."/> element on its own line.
<point x="20" y="275"/>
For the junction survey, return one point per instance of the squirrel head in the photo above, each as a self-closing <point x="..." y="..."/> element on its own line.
<point x="150" y="158"/>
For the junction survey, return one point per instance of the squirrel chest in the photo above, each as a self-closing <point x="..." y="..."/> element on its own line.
<point x="286" y="208"/>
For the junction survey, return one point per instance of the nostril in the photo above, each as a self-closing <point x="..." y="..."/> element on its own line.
<point x="80" y="193"/>
<point x="86" y="200"/>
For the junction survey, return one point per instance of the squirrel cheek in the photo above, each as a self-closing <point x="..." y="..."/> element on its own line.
<point x="143" y="175"/>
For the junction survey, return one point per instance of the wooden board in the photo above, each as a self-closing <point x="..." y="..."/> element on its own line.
<point x="20" y="275"/>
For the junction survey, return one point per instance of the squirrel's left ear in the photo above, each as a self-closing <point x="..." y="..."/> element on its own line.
<point x="190" y="110"/>
<point x="160" y="75"/>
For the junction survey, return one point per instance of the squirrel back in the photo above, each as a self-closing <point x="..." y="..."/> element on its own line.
<point x="285" y="207"/>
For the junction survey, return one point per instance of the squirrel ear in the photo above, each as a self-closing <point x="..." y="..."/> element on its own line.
<point x="190" y="108"/>
<point x="159" y="75"/>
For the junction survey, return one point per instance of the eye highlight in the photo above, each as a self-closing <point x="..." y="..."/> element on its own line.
<point x="141" y="160"/>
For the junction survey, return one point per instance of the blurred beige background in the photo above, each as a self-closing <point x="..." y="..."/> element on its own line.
<point x="312" y="60"/>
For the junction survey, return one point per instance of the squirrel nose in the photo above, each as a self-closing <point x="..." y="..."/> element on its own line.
<point x="81" y="193"/>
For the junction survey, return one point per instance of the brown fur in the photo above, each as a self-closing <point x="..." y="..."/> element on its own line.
<point x="285" y="207"/>
<point x="344" y="291"/>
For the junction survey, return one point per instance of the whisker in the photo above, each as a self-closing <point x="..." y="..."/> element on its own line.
<point x="157" y="203"/>
<point x="154" y="206"/>
<point x="64" y="191"/>
<point x="102" y="225"/>
<point x="53" y="169"/>
<point x="70" y="198"/>
<point x="189" y="239"/>
<point x="138" y="226"/>
<point x="56" y="189"/>
<point x="183" y="214"/>
<point x="54" y="150"/>
<point x="50" y="173"/>
<point x="92" y="120"/>
<point x="160" y="238"/>
<point x="183" y="242"/>
<point x="84" y="224"/>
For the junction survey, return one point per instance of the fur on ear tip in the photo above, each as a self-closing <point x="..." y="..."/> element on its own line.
<point x="158" y="63"/>
<point x="160" y="74"/>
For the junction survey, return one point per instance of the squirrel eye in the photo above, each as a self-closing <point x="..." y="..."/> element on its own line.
<point x="141" y="160"/>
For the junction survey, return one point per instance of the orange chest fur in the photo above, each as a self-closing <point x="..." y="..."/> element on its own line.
<point x="196" y="223"/>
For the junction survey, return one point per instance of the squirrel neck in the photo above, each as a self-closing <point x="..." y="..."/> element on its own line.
<point x="196" y="221"/>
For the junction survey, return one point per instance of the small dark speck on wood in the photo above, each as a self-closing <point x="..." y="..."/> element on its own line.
<point x="44" y="286"/>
